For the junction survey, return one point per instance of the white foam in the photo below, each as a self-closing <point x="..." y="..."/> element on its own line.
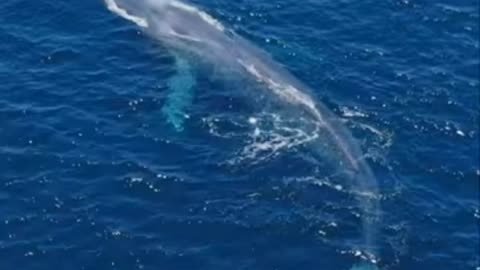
<point x="352" y="113"/>
<point x="113" y="7"/>
<point x="274" y="134"/>
<point x="253" y="120"/>
<point x="265" y="135"/>
<point x="293" y="95"/>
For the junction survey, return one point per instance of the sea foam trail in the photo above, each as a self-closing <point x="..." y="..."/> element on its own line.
<point x="184" y="27"/>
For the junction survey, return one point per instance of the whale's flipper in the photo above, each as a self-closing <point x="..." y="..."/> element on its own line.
<point x="181" y="94"/>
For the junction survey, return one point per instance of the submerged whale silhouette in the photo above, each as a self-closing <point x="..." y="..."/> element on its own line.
<point x="186" y="28"/>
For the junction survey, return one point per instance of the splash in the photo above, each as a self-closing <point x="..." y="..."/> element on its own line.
<point x="185" y="28"/>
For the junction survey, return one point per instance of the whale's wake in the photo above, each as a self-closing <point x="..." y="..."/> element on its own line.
<point x="290" y="118"/>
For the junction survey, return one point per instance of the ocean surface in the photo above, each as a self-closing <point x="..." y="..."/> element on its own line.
<point x="118" y="153"/>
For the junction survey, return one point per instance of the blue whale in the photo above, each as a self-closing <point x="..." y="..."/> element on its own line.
<point x="185" y="28"/>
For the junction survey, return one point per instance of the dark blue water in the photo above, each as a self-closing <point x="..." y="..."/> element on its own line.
<point x="93" y="176"/>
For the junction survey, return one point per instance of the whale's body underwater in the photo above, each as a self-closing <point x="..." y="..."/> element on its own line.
<point x="184" y="27"/>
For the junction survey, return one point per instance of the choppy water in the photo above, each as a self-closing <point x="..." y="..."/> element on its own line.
<point x="94" y="174"/>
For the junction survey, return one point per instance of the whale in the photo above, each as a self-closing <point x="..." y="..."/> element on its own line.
<point x="187" y="29"/>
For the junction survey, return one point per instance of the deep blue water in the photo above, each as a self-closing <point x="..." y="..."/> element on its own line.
<point x="93" y="176"/>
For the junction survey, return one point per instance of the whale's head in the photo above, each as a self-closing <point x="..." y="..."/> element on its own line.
<point x="140" y="12"/>
<point x="170" y="20"/>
